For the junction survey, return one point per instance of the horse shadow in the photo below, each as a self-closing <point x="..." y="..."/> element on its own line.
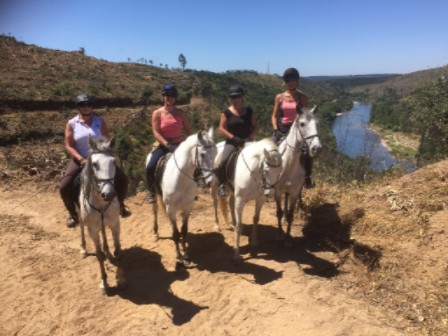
<point x="209" y="251"/>
<point x="148" y="282"/>
<point x="323" y="231"/>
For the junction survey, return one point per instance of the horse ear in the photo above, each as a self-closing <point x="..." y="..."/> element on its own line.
<point x="112" y="142"/>
<point x="211" y="133"/>
<point x="266" y="154"/>
<point x="314" y="109"/>
<point x="200" y="136"/>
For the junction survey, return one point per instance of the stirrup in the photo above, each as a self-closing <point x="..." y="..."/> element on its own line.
<point x="222" y="191"/>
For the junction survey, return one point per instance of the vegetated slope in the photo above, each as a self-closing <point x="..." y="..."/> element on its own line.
<point x="403" y="85"/>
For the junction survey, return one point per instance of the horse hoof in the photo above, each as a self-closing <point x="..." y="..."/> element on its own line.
<point x="180" y="265"/>
<point x="103" y="291"/>
<point x="155" y="238"/>
<point x="83" y="254"/>
<point x="253" y="254"/>
<point x="216" y="229"/>
<point x="237" y="259"/>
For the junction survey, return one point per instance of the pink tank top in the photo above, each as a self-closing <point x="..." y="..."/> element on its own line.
<point x="289" y="112"/>
<point x="171" y="129"/>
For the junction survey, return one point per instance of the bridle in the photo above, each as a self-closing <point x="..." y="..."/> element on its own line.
<point x="306" y="143"/>
<point x="264" y="184"/>
<point x="198" y="173"/>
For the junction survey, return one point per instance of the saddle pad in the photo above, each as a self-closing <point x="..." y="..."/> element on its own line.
<point x="160" y="169"/>
<point x="230" y="167"/>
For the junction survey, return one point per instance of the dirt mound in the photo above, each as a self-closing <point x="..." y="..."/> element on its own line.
<point x="363" y="262"/>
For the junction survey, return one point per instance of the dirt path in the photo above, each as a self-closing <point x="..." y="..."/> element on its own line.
<point x="46" y="289"/>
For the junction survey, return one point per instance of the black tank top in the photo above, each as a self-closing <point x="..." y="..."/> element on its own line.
<point x="240" y="126"/>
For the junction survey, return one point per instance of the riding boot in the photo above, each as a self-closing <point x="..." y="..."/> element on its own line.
<point x="307" y="162"/>
<point x="150" y="183"/>
<point x="221" y="175"/>
<point x="72" y="220"/>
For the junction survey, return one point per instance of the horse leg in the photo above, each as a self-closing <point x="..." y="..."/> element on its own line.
<point x="232" y="209"/>
<point x="238" y="213"/>
<point x="100" y="256"/>
<point x="105" y="244"/>
<point x="155" y="225"/>
<point x="119" y="277"/>
<point x="214" y="194"/>
<point x="184" y="233"/>
<point x="175" y="237"/>
<point x="289" y="220"/>
<point x="83" y="251"/>
<point x="254" y="238"/>
<point x="278" y="203"/>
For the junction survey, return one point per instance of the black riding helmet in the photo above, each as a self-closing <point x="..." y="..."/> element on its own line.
<point x="83" y="98"/>
<point x="169" y="90"/>
<point x="291" y="74"/>
<point x="235" y="91"/>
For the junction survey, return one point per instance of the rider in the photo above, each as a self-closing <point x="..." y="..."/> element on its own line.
<point x="168" y="122"/>
<point x="286" y="107"/>
<point x="238" y="125"/>
<point x="77" y="133"/>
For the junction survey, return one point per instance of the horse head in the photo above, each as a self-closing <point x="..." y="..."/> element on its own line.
<point x="306" y="126"/>
<point x="101" y="165"/>
<point x="271" y="169"/>
<point x="205" y="154"/>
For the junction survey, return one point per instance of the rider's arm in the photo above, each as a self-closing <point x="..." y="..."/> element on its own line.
<point x="303" y="100"/>
<point x="156" y="128"/>
<point x="70" y="143"/>
<point x="275" y="111"/>
<point x="222" y="128"/>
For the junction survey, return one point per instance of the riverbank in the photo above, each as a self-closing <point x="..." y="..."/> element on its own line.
<point x="398" y="143"/>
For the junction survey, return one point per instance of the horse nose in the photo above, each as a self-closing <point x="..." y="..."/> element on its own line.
<point x="316" y="150"/>
<point x="108" y="195"/>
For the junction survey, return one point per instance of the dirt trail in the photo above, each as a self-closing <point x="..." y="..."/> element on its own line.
<point x="45" y="287"/>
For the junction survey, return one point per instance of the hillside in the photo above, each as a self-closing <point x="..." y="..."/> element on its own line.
<point x="403" y="85"/>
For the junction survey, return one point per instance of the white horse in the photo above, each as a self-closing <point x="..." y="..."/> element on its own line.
<point x="99" y="206"/>
<point x="257" y="169"/>
<point x="302" y="135"/>
<point x="179" y="184"/>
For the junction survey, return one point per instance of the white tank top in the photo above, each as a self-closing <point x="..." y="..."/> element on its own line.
<point x="81" y="133"/>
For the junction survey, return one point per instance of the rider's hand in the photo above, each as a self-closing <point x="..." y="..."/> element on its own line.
<point x="83" y="162"/>
<point x="171" y="147"/>
<point x="237" y="141"/>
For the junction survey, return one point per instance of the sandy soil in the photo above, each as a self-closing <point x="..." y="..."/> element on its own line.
<point x="47" y="289"/>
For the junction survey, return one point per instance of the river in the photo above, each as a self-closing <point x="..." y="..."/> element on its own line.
<point x="354" y="138"/>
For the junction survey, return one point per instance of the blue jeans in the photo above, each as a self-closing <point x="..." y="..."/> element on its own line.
<point x="155" y="156"/>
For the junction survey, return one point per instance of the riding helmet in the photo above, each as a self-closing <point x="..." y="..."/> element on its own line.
<point x="83" y="98"/>
<point x="291" y="74"/>
<point x="169" y="90"/>
<point x="235" y="91"/>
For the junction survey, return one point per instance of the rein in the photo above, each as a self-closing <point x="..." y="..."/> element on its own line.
<point x="263" y="183"/>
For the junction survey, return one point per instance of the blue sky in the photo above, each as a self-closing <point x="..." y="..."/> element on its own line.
<point x="319" y="37"/>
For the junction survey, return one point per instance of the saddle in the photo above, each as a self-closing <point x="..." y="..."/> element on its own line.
<point x="160" y="168"/>
<point x="229" y="167"/>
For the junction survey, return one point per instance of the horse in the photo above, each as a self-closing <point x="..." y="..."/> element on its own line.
<point x="178" y="184"/>
<point x="301" y="136"/>
<point x="257" y="169"/>
<point x="99" y="207"/>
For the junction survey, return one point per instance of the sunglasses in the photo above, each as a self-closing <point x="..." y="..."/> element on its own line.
<point x="235" y="97"/>
<point x="84" y="105"/>
<point x="171" y="95"/>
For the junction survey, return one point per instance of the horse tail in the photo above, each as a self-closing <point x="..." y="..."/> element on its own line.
<point x="224" y="205"/>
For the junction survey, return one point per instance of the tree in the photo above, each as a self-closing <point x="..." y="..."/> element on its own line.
<point x="182" y="61"/>
<point x="430" y="119"/>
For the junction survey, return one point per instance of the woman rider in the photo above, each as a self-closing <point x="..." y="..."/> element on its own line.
<point x="168" y="122"/>
<point x="77" y="133"/>
<point x="286" y="106"/>
<point x="238" y="125"/>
